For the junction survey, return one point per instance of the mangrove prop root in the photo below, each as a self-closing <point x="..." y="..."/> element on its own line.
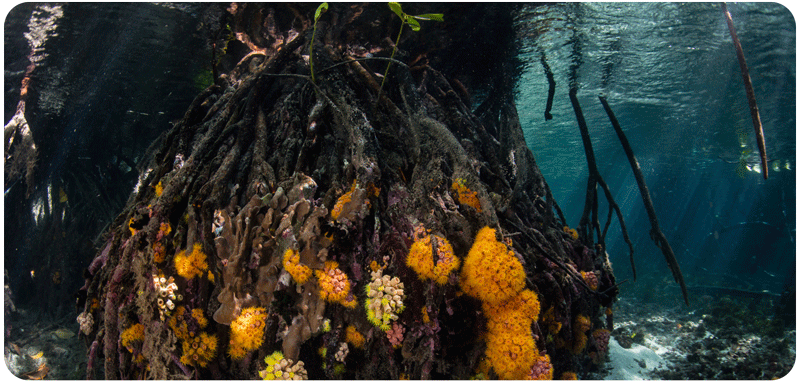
<point x="751" y="95"/>
<point x="591" y="189"/>
<point x="655" y="233"/>
<point x="551" y="87"/>
<point x="267" y="162"/>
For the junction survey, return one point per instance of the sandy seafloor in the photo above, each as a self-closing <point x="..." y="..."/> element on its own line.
<point x="674" y="342"/>
<point x="677" y="343"/>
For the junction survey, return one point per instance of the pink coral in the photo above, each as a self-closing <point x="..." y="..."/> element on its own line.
<point x="542" y="369"/>
<point x="395" y="335"/>
<point x="591" y="279"/>
<point x="86" y="322"/>
<point x="601" y="338"/>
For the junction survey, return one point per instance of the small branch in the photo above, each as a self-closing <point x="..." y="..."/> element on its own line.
<point x="655" y="232"/>
<point x="751" y="95"/>
<point x="559" y="263"/>
<point x="613" y="205"/>
<point x="552" y="201"/>
<point x="401" y="63"/>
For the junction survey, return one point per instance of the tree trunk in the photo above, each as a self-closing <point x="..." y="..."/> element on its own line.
<point x="276" y="205"/>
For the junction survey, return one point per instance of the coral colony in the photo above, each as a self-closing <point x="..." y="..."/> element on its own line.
<point x="489" y="272"/>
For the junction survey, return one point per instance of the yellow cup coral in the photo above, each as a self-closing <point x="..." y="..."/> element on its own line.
<point x="132" y="335"/>
<point x="420" y="259"/>
<point x="193" y="264"/>
<point x="247" y="332"/>
<point x="353" y="201"/>
<point x="464" y="195"/>
<point x="199" y="350"/>
<point x="334" y="286"/>
<point x="568" y="376"/>
<point x="279" y="367"/>
<point x="159" y="189"/>
<point x="491" y="272"/>
<point x="495" y="276"/>
<point x="591" y="279"/>
<point x="511" y="354"/>
<point x="579" y="328"/>
<point x="385" y="295"/>
<point x="572" y="232"/>
<point x="354" y="337"/>
<point x="515" y="314"/>
<point x="582" y="323"/>
<point x="164" y="229"/>
<point x="542" y="369"/>
<point x="200" y="317"/>
<point x="510" y="348"/>
<point x="159" y="252"/>
<point x="130" y="227"/>
<point x="291" y="262"/>
<point x="177" y="325"/>
<point x="551" y="323"/>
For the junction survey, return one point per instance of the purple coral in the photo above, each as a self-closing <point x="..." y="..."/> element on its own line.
<point x="100" y="260"/>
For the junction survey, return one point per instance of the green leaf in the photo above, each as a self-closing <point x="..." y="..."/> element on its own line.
<point x="414" y="24"/>
<point x="397" y="9"/>
<point x="320" y="10"/>
<point x="430" y="16"/>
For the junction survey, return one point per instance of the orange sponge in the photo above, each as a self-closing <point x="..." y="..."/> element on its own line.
<point x="247" y="332"/>
<point x="491" y="272"/>
<point x="420" y="259"/>
<point x="193" y="264"/>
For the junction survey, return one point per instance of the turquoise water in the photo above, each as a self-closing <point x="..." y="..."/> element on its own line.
<point x="670" y="73"/>
<point x="116" y="75"/>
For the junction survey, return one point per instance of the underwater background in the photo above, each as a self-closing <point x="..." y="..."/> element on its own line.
<point x="109" y="78"/>
<point x="670" y="73"/>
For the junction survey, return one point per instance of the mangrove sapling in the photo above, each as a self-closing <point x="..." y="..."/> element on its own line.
<point x="320" y="10"/>
<point x="413" y="23"/>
